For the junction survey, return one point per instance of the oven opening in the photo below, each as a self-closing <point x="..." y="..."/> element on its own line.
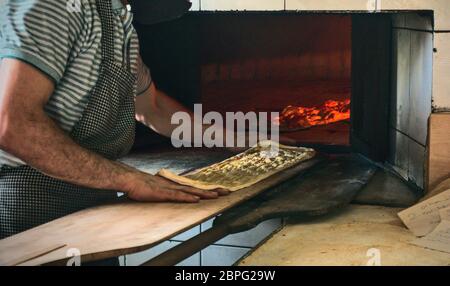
<point x="341" y="82"/>
<point x="298" y="66"/>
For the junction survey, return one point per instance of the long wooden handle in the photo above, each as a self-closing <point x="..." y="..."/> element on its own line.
<point x="31" y="255"/>
<point x="188" y="248"/>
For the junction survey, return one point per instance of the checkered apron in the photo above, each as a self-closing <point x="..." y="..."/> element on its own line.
<point x="29" y="198"/>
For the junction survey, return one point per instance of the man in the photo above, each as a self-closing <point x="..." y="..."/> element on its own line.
<point x="71" y="85"/>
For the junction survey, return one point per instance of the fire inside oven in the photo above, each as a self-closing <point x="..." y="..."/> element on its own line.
<point x="297" y="66"/>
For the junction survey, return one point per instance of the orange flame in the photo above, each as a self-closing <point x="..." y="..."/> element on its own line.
<point x="298" y="117"/>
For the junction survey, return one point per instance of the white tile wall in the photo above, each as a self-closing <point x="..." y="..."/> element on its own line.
<point x="122" y="261"/>
<point x="441" y="72"/>
<point x="139" y="258"/>
<point x="215" y="255"/>
<point x="329" y="4"/>
<point x="224" y="252"/>
<point x="255" y="5"/>
<point x="195" y="5"/>
<point x="187" y="234"/>
<point x="249" y="238"/>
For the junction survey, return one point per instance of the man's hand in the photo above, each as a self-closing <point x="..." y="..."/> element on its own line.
<point x="145" y="187"/>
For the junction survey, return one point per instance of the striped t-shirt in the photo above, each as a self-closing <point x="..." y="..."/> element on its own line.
<point x="65" y="43"/>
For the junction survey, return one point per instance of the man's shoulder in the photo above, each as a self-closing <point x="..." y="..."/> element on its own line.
<point x="52" y="8"/>
<point x="45" y="33"/>
<point x="55" y="10"/>
<point x="80" y="7"/>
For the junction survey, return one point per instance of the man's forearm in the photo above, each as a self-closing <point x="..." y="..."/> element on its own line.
<point x="28" y="133"/>
<point x="155" y="109"/>
<point x="39" y="142"/>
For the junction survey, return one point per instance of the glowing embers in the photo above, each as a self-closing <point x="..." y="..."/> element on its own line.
<point x="298" y="117"/>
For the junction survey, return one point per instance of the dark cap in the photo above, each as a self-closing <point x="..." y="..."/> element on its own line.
<point x="149" y="12"/>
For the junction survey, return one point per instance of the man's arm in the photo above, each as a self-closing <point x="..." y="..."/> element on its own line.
<point x="154" y="109"/>
<point x="29" y="134"/>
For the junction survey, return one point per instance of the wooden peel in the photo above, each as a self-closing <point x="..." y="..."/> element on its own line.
<point x="39" y="251"/>
<point x="124" y="227"/>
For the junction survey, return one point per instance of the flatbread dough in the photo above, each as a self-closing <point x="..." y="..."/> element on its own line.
<point x="243" y="170"/>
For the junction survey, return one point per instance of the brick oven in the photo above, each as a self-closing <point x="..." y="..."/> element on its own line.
<point x="384" y="63"/>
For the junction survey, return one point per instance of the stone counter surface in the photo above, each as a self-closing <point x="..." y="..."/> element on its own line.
<point x="357" y="236"/>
